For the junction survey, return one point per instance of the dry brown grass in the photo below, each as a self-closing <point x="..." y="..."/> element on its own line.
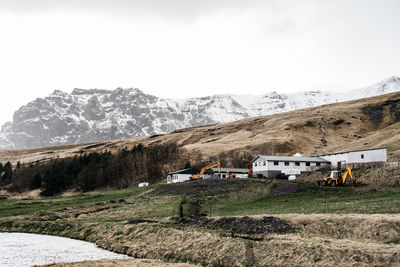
<point x="360" y="227"/>
<point x="326" y="240"/>
<point x="32" y="194"/>
<point x="120" y="263"/>
<point x="319" y="240"/>
<point x="308" y="131"/>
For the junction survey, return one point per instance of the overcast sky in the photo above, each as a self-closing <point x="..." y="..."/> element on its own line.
<point x="188" y="48"/>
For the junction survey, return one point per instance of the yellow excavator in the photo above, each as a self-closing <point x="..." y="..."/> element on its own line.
<point x="230" y="174"/>
<point x="337" y="178"/>
<point x="201" y="174"/>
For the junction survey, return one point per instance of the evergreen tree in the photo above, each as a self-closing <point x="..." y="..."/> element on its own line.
<point x="8" y="173"/>
<point x="36" y="181"/>
<point x="188" y="165"/>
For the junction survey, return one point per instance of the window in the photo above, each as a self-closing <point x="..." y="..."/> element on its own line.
<point x="255" y="164"/>
<point x="297" y="163"/>
<point x="362" y="156"/>
<point x="286" y="163"/>
<point x="318" y="163"/>
<point x="307" y="163"/>
<point x="276" y="163"/>
<point x="265" y="163"/>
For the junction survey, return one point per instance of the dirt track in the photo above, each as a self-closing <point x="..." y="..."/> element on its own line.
<point x="120" y="263"/>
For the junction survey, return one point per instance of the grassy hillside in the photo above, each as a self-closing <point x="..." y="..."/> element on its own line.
<point x="366" y="123"/>
<point x="324" y="226"/>
<point x="143" y="222"/>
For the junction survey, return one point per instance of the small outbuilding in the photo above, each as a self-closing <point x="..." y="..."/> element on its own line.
<point x="181" y="175"/>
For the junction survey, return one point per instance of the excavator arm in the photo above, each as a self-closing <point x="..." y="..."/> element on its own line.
<point x="201" y="174"/>
<point x="348" y="173"/>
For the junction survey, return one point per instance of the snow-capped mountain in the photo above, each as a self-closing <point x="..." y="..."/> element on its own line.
<point x="98" y="115"/>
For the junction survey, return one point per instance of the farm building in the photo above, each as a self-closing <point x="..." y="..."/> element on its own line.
<point x="356" y="156"/>
<point x="239" y="173"/>
<point x="271" y="166"/>
<point x="181" y="175"/>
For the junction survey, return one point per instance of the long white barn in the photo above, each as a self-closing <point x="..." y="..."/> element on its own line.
<point x="271" y="166"/>
<point x="356" y="156"/>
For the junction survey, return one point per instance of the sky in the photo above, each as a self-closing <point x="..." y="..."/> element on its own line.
<point x="188" y="48"/>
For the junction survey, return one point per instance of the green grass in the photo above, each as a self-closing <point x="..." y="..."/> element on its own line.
<point x="102" y="218"/>
<point x="315" y="202"/>
<point x="25" y="207"/>
<point x="249" y="197"/>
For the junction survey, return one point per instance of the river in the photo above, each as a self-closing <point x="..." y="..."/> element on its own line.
<point x="20" y="249"/>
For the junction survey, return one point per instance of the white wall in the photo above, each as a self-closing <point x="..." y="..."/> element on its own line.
<point x="258" y="168"/>
<point x="281" y="166"/>
<point x="376" y="155"/>
<point x="270" y="166"/>
<point x="242" y="175"/>
<point x="177" y="178"/>
<point x="334" y="159"/>
<point x="292" y="165"/>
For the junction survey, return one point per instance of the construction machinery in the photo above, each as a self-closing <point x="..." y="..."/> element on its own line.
<point x="230" y="174"/>
<point x="201" y="174"/>
<point x="337" y="178"/>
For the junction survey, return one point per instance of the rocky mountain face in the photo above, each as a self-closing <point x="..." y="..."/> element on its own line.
<point x="100" y="115"/>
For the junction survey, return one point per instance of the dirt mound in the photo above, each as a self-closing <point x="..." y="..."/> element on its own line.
<point x="200" y="187"/>
<point x="286" y="188"/>
<point x="245" y="225"/>
<point x="378" y="177"/>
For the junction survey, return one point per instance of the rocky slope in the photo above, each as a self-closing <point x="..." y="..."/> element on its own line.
<point x="100" y="115"/>
<point x="359" y="124"/>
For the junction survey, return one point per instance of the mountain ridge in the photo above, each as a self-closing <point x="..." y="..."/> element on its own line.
<point x="352" y="125"/>
<point x="88" y="115"/>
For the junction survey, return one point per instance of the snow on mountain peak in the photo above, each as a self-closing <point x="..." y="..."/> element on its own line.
<point x="87" y="115"/>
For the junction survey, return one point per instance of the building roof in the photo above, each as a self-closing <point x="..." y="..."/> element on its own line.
<point x="234" y="170"/>
<point x="344" y="152"/>
<point x="287" y="158"/>
<point x="185" y="171"/>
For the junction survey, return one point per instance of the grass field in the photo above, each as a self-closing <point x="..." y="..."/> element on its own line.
<point x="103" y="218"/>
<point x="241" y="197"/>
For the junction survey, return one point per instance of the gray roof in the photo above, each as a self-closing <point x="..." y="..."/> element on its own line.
<point x="286" y="158"/>
<point x="185" y="171"/>
<point x="234" y="170"/>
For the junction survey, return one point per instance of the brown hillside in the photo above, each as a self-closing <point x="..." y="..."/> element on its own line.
<point x="366" y="123"/>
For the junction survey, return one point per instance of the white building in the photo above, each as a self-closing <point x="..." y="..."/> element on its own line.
<point x="181" y="175"/>
<point x="271" y="166"/>
<point x="239" y="173"/>
<point x="356" y="156"/>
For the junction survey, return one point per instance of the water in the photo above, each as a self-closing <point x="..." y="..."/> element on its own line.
<point x="20" y="249"/>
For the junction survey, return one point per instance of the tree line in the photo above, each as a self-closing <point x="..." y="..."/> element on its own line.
<point x="95" y="170"/>
<point x="106" y="170"/>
